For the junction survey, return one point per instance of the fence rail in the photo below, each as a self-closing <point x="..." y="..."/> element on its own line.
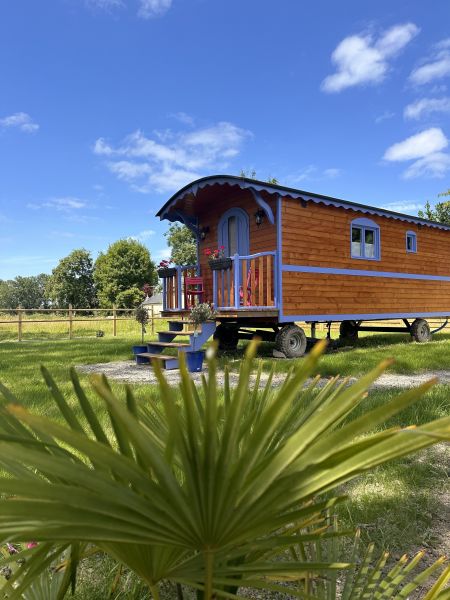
<point x="111" y="316"/>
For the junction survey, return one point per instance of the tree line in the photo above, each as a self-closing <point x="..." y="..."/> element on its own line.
<point x="122" y="275"/>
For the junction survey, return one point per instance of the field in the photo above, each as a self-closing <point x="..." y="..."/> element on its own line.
<point x="401" y="506"/>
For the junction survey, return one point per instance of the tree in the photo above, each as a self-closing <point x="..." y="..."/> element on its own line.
<point x="124" y="266"/>
<point x="440" y="212"/>
<point x="29" y="292"/>
<point x="72" y="281"/>
<point x="182" y="244"/>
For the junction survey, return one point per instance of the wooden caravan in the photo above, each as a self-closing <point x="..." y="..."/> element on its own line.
<point x="291" y="256"/>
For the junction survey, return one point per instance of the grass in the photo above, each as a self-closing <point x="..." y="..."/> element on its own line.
<point x="398" y="506"/>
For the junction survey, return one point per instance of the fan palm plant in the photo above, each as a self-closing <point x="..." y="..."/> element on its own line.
<point x="210" y="489"/>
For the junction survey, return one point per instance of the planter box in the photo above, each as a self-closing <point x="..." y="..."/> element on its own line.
<point x="194" y="361"/>
<point x="167" y="272"/>
<point x="220" y="264"/>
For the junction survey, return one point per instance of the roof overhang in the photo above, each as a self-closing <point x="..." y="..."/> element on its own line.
<point x="168" y="211"/>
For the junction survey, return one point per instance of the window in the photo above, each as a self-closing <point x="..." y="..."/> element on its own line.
<point x="411" y="241"/>
<point x="365" y="239"/>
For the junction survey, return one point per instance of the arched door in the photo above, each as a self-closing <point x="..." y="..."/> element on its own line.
<point x="234" y="232"/>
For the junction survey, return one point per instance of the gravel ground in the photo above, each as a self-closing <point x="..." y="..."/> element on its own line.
<point x="129" y="372"/>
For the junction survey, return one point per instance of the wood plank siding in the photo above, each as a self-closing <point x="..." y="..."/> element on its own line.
<point x="209" y="212"/>
<point x="316" y="235"/>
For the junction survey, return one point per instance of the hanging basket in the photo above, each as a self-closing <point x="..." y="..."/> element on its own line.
<point x="220" y="264"/>
<point x="166" y="272"/>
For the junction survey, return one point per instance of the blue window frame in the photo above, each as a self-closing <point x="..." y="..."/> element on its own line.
<point x="411" y="241"/>
<point x="365" y="240"/>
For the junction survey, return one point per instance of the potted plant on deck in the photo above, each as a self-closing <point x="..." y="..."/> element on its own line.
<point x="141" y="316"/>
<point x="199" y="314"/>
<point x="165" y="270"/>
<point x="217" y="259"/>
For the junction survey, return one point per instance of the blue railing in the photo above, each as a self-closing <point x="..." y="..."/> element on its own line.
<point x="249" y="282"/>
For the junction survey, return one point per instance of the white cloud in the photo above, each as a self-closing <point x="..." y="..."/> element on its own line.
<point x="436" y="66"/>
<point x="147" y="9"/>
<point x="433" y="165"/>
<point x="21" y="121"/>
<point x="425" y="149"/>
<point x="361" y="59"/>
<point x="403" y="207"/>
<point x="313" y="173"/>
<point x="63" y="204"/>
<point x="384" y="116"/>
<point x="153" y="8"/>
<point x="417" y="146"/>
<point x="163" y="166"/>
<point x="142" y="236"/>
<point x="183" y="118"/>
<point x="426" y="106"/>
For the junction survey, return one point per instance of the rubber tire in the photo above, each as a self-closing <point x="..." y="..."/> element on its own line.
<point x="291" y="341"/>
<point x="420" y="331"/>
<point x="348" y="330"/>
<point x="227" y="336"/>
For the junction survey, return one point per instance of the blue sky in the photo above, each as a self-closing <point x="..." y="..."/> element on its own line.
<point x="109" y="106"/>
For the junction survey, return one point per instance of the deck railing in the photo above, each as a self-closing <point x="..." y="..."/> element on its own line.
<point x="249" y="283"/>
<point x="173" y="288"/>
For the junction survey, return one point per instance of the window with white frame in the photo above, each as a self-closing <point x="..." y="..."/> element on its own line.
<point x="365" y="239"/>
<point x="411" y="241"/>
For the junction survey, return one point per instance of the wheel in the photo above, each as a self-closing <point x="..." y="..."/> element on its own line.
<point x="291" y="341"/>
<point x="348" y="330"/>
<point x="420" y="331"/>
<point x="228" y="337"/>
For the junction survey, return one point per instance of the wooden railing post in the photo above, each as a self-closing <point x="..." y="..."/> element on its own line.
<point x="114" y="320"/>
<point x="19" y="323"/>
<point x="70" y="321"/>
<point x="153" y="320"/>
<point x="179" y="290"/>
<point x="236" y="279"/>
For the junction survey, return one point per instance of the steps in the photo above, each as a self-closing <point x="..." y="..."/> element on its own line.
<point x="166" y="340"/>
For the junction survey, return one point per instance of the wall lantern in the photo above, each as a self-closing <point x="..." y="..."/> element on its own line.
<point x="259" y="216"/>
<point x="204" y="232"/>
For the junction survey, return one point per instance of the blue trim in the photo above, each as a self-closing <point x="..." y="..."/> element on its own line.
<point x="360" y="317"/>
<point x="263" y="204"/>
<point x="279" y="259"/>
<point x="243" y="230"/>
<point x="280" y="190"/>
<point x="413" y="237"/>
<point x="362" y="273"/>
<point x="237" y="279"/>
<point x="364" y="225"/>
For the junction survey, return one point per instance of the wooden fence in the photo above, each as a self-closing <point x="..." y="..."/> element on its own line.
<point x="20" y="319"/>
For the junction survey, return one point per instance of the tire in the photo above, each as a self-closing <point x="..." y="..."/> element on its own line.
<point x="227" y="336"/>
<point x="420" y="331"/>
<point x="348" y="330"/>
<point x="291" y="341"/>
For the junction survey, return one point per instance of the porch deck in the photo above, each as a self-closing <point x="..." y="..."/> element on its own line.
<point x="242" y="286"/>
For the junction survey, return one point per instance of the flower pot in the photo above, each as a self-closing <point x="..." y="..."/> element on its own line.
<point x="220" y="264"/>
<point x="166" y="272"/>
<point x="194" y="361"/>
<point x="139" y="350"/>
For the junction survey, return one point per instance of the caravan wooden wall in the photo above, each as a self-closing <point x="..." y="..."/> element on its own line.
<point x="319" y="236"/>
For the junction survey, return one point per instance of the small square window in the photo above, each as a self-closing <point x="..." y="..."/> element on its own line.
<point x="365" y="239"/>
<point x="411" y="242"/>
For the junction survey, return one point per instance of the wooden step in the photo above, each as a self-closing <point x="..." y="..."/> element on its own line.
<point x="168" y="344"/>
<point x="159" y="356"/>
<point x="182" y="321"/>
<point x="180" y="332"/>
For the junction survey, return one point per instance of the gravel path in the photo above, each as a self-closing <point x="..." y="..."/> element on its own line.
<point x="129" y="372"/>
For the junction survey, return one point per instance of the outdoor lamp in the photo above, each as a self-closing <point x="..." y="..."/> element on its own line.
<point x="259" y="215"/>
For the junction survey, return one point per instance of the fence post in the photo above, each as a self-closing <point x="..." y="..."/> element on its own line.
<point x="114" y="320"/>
<point x="153" y="320"/>
<point x="19" y="323"/>
<point x="70" y="322"/>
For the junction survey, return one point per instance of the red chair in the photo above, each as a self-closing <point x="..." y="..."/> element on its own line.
<point x="193" y="288"/>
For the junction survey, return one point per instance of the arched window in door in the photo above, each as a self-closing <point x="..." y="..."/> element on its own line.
<point x="234" y="232"/>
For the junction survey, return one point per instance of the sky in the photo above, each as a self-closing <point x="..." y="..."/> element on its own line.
<point x="107" y="107"/>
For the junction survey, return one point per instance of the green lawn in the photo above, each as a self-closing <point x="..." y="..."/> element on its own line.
<point x="398" y="506"/>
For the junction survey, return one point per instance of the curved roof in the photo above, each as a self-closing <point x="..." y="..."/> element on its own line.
<point x="281" y="190"/>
